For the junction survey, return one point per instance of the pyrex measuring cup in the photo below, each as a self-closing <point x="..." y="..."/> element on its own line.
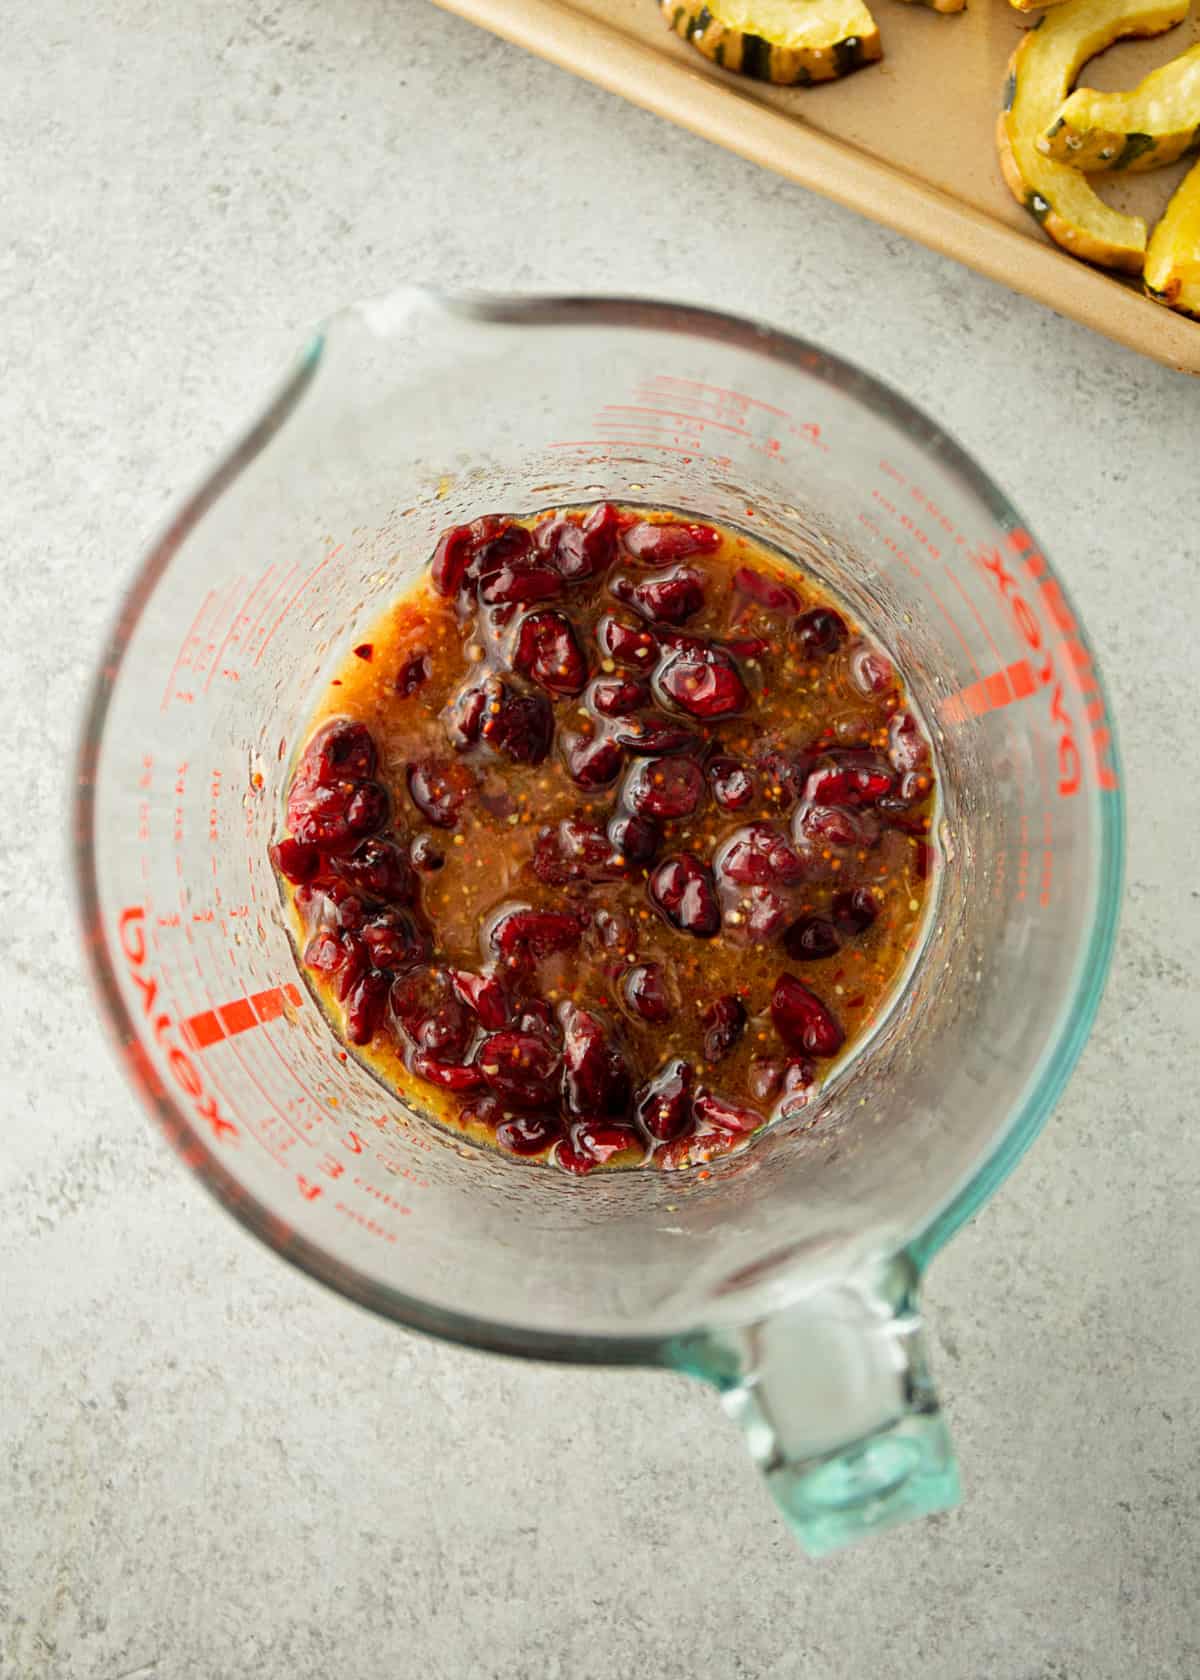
<point x="787" y="1275"/>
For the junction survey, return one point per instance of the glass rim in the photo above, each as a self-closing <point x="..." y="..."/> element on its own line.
<point x="1065" y="1039"/>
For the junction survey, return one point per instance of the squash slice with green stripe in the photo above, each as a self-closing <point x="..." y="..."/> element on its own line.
<point x="788" y="42"/>
<point x="1041" y="74"/>
<point x="1141" y="128"/>
<point x="1173" y="259"/>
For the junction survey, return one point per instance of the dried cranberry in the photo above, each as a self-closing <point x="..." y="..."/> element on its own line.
<point x="732" y="783"/>
<point x="625" y="643"/>
<point x="871" y="672"/>
<point x="764" y="1078"/>
<point x="746" y="647"/>
<point x="519" y="584"/>
<point x="414" y="671"/>
<point x="335" y="818"/>
<point x="365" y="1003"/>
<point x="819" y="632"/>
<point x="722" y="1115"/>
<point x="394" y="940"/>
<point x="547" y="651"/>
<point x="483" y="1108"/>
<point x="861" y="780"/>
<point x="682" y="888"/>
<point x="431" y="1015"/>
<point x="548" y="863"/>
<point x="636" y="839"/>
<point x="450" y="559"/>
<point x="840" y="827"/>
<point x="907" y="747"/>
<point x="664" y="787"/>
<point x="601" y="528"/>
<point x="577" y="850"/>
<point x="521" y="1067"/>
<point x="521" y="935"/>
<point x="351" y="911"/>
<point x="614" y="931"/>
<point x="767" y="591"/>
<point x="672" y="598"/>
<point x="602" y="1142"/>
<point x="483" y="994"/>
<point x="561" y="542"/>
<point x="340" y="957"/>
<point x="499" y="543"/>
<point x="464" y="717"/>
<point x="664" y="1103"/>
<point x="379" y="868"/>
<point x="519" y="725"/>
<point x="762" y="914"/>
<point x="596" y="1077"/>
<point x="654" y="734"/>
<point x="810" y="939"/>
<point x="584" y="842"/>
<point x="617" y="696"/>
<point x="798" y="1074"/>
<point x="705" y="683"/>
<point x="572" y="1160"/>
<point x="910" y="789"/>
<point x="425" y="854"/>
<point x="437" y="788"/>
<point x="659" y="545"/>
<point x="646" y="992"/>
<point x="367" y="809"/>
<point x="459" y="1077"/>
<point x="531" y="1134"/>
<point x="296" y="861"/>
<point x="724" y="1022"/>
<point x="855" y="909"/>
<point x="782" y="777"/>
<point x="593" y="761"/>
<point x="534" y="1015"/>
<point x="758" y="855"/>
<point x="340" y="751"/>
<point x="802" y="1020"/>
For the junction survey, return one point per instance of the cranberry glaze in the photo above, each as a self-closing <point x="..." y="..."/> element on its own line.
<point x="610" y="839"/>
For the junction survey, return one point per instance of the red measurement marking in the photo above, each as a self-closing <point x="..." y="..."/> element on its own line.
<point x="267" y="603"/>
<point x="239" y="617"/>
<point x="999" y="688"/>
<point x="315" y="573"/>
<point x="969" y="603"/>
<point x="183" y="648"/>
<point x="722" y="391"/>
<point x="636" y="443"/>
<point x="213" y="1025"/>
<point x="672" y="414"/>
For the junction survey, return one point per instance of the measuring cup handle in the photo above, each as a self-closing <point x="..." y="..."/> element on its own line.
<point x="835" y="1400"/>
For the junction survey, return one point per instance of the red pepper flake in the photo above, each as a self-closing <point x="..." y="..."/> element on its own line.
<point x="365" y="650"/>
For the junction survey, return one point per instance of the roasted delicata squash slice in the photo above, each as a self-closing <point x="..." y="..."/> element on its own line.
<point x="785" y="41"/>
<point x="1151" y="124"/>
<point x="947" y="5"/>
<point x="1173" y="257"/>
<point x="1041" y="74"/>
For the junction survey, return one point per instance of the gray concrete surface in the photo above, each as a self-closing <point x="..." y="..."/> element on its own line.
<point x="208" y="1467"/>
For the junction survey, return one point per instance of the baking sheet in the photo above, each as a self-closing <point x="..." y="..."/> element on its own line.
<point x="908" y="142"/>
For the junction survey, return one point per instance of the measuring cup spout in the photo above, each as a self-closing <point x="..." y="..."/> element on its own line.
<point x="834" y="1397"/>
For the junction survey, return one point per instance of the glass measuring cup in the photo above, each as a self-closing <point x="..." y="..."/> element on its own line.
<point x="786" y="1276"/>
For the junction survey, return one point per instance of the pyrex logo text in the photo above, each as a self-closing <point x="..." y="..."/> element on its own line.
<point x="131" y="930"/>
<point x="1074" y="659"/>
